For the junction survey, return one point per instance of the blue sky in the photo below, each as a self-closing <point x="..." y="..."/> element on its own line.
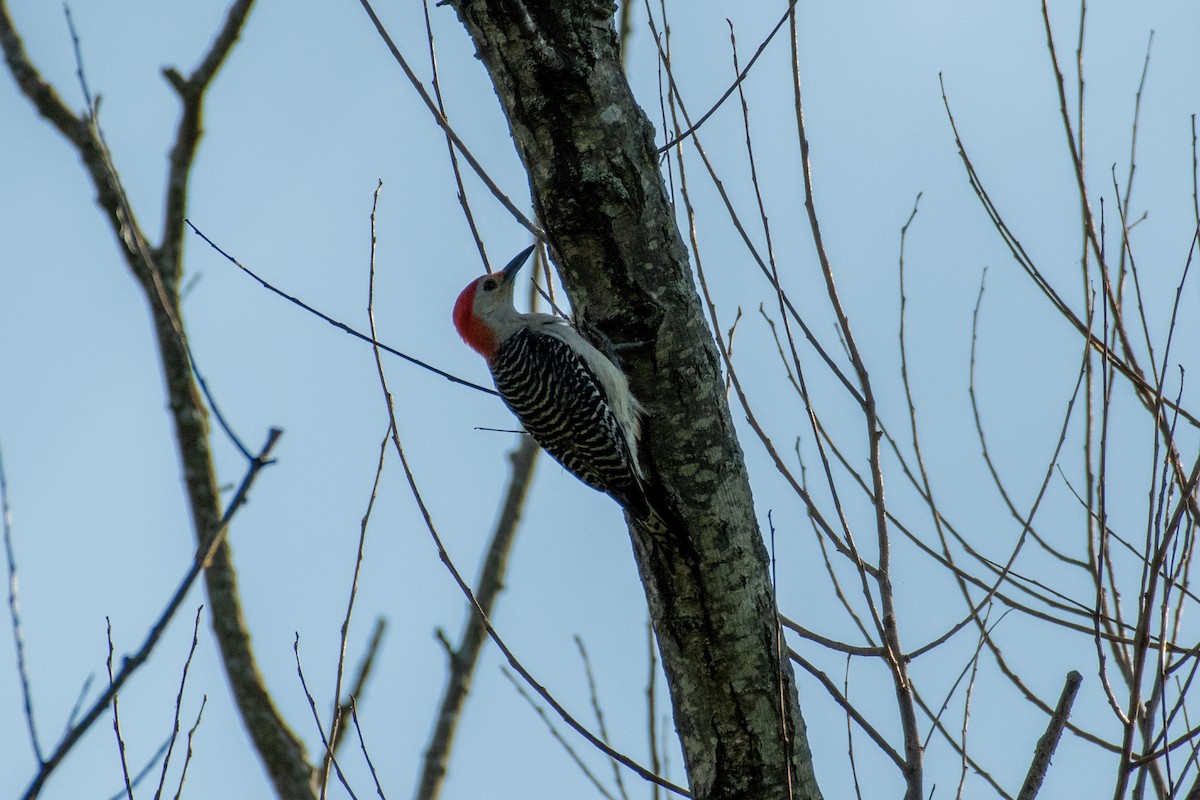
<point x="307" y="115"/>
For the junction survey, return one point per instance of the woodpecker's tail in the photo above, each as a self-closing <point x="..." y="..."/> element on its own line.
<point x="649" y="510"/>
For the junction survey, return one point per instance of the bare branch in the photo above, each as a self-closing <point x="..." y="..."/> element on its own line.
<point x="1049" y="741"/>
<point x="14" y="613"/>
<point x="363" y="746"/>
<point x="736" y="85"/>
<point x="849" y="708"/>
<point x="312" y="704"/>
<point x="116" y="717"/>
<point x="178" y="704"/>
<point x="890" y="627"/>
<point x="187" y="759"/>
<point x="596" y="707"/>
<point x="359" y="685"/>
<point x="335" y="724"/>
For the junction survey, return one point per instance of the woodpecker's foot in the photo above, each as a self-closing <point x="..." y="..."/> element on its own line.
<point x="605" y="345"/>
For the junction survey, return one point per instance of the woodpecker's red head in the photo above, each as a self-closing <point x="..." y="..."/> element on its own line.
<point x="484" y="313"/>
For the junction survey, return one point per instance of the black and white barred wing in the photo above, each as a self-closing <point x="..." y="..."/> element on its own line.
<point x="562" y="404"/>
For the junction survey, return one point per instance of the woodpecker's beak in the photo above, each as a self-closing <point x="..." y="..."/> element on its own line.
<point x="515" y="265"/>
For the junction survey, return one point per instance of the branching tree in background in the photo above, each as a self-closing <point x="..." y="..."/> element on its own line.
<point x="158" y="269"/>
<point x="914" y="595"/>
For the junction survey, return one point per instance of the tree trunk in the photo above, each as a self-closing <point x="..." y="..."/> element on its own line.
<point x="593" y="172"/>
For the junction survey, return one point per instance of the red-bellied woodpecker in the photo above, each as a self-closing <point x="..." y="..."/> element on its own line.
<point x="569" y="396"/>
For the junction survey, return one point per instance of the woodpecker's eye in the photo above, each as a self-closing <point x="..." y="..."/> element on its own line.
<point x="489" y="284"/>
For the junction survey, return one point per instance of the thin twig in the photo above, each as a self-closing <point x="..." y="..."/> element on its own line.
<point x="146" y="769"/>
<point x="558" y="737"/>
<point x="652" y="707"/>
<point x="850" y="734"/>
<point x="162" y="778"/>
<point x="966" y="716"/>
<point x="116" y="717"/>
<point x="454" y="166"/>
<point x="187" y="758"/>
<point x="339" y="325"/>
<point x="312" y="705"/>
<point x="595" y="698"/>
<point x="890" y="622"/>
<point x="14" y="612"/>
<point x="736" y="85"/>
<point x="335" y="724"/>
<point x="78" y="704"/>
<point x="962" y="754"/>
<point x="363" y="747"/>
<point x="212" y="405"/>
<point x="358" y="686"/>
<point x="444" y="123"/>
<point x="849" y="708"/>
